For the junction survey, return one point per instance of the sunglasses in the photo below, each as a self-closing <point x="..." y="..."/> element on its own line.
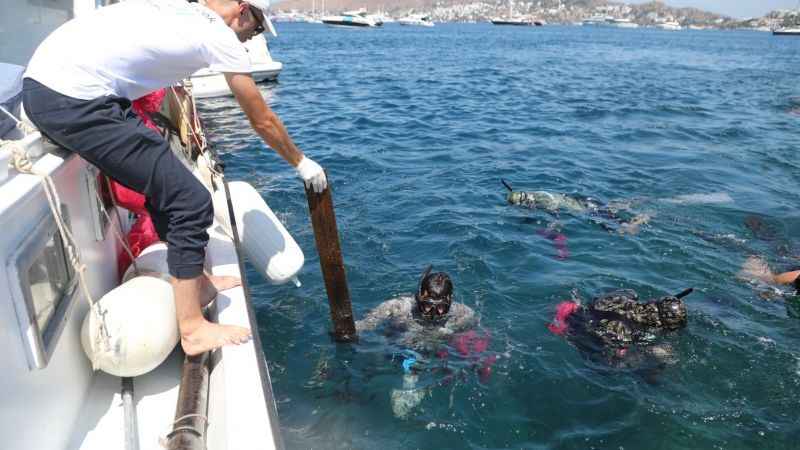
<point x="260" y="27"/>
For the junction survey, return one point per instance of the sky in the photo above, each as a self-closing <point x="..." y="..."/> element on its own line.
<point x="734" y="8"/>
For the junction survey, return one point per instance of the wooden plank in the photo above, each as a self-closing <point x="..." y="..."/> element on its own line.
<point x="331" y="262"/>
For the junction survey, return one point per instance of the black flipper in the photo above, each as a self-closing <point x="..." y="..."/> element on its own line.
<point x="506" y="185"/>
<point x="684" y="293"/>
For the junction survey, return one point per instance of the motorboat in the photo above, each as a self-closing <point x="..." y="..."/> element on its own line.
<point x="514" y="20"/>
<point x="596" y="20"/>
<point x="786" y="31"/>
<point x="420" y="20"/>
<point x="517" y="21"/>
<point x="63" y="233"/>
<point x="623" y="23"/>
<point x="208" y="83"/>
<point x="354" y="19"/>
<point x="669" y="25"/>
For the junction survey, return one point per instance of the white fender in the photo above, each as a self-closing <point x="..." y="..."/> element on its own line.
<point x="152" y="259"/>
<point x="141" y="324"/>
<point x="267" y="244"/>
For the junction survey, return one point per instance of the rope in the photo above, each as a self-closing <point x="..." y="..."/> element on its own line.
<point x="22" y="163"/>
<point x="199" y="139"/>
<point x="24" y="127"/>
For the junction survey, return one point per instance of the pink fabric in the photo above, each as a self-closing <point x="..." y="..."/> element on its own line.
<point x="559" y="242"/>
<point x="563" y="311"/>
<point x="471" y="344"/>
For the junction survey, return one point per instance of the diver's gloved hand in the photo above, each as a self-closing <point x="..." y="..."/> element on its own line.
<point x="312" y="174"/>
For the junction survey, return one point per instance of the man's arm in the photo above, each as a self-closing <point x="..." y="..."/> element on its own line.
<point x="267" y="124"/>
<point x="382" y="313"/>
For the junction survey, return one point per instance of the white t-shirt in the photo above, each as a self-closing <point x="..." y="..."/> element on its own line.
<point x="135" y="47"/>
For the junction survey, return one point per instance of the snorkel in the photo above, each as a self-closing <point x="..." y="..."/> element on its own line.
<point x="672" y="310"/>
<point x="434" y="295"/>
<point x="514" y="198"/>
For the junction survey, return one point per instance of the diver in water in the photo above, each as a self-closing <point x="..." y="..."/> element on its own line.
<point x="424" y="325"/>
<point x="612" y="217"/>
<point x="425" y="321"/>
<point x="617" y="330"/>
<point x="755" y="269"/>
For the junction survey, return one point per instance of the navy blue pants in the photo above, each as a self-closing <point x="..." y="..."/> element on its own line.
<point x="107" y="133"/>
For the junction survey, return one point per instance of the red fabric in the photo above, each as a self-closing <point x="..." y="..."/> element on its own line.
<point x="142" y="235"/>
<point x="129" y="199"/>
<point x="563" y="311"/>
<point x="150" y="103"/>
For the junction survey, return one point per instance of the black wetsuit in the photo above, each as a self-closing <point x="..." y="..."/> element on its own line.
<point x="616" y="329"/>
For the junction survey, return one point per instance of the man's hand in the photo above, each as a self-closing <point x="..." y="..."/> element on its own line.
<point x="312" y="174"/>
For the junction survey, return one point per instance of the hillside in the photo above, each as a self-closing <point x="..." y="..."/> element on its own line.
<point x="550" y="10"/>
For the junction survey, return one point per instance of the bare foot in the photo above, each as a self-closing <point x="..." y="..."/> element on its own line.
<point x="755" y="268"/>
<point x="213" y="284"/>
<point x="209" y="336"/>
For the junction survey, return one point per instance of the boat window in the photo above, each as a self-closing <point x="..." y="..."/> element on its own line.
<point x="46" y="289"/>
<point x="49" y="280"/>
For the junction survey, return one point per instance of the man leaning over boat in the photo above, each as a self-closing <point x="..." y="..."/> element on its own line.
<point x="78" y="89"/>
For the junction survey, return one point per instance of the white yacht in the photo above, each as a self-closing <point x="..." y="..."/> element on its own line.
<point x="597" y="20"/>
<point x="58" y="261"/>
<point x="669" y="25"/>
<point x="786" y="31"/>
<point x="515" y="20"/>
<point x="420" y="20"/>
<point x="353" y="19"/>
<point x="208" y="83"/>
<point x="623" y="23"/>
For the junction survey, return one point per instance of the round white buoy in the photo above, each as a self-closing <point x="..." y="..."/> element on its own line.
<point x="141" y="324"/>
<point x="152" y="259"/>
<point x="267" y="244"/>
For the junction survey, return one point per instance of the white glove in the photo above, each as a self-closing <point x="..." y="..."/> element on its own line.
<point x="312" y="174"/>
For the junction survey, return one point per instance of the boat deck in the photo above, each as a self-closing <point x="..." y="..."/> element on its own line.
<point x="240" y="413"/>
<point x="102" y="423"/>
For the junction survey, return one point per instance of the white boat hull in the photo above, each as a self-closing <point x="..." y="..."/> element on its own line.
<point x="207" y="84"/>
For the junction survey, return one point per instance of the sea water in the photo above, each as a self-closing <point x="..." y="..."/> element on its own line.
<point x="416" y="127"/>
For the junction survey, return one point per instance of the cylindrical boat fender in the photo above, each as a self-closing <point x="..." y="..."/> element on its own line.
<point x="139" y="317"/>
<point x="267" y="244"/>
<point x="152" y="259"/>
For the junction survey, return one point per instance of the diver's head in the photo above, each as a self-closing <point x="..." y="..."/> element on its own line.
<point x="515" y="198"/>
<point x="434" y="295"/>
<point x="672" y="312"/>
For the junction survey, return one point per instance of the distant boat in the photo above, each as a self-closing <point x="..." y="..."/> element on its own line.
<point x="596" y="20"/>
<point x="670" y="25"/>
<point x="209" y="83"/>
<point x="787" y="31"/>
<point x="356" y="19"/>
<point x="516" y="21"/>
<point x="623" y="23"/>
<point x="419" y="20"/>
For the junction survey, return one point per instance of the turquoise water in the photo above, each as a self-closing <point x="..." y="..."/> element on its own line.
<point x="417" y="126"/>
